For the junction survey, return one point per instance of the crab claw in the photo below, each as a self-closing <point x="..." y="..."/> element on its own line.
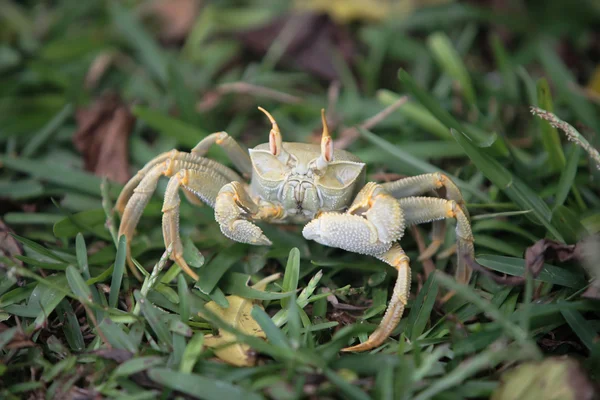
<point x="232" y="207"/>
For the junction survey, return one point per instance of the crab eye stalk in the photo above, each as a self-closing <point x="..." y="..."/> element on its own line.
<point x="275" y="139"/>
<point x="326" y="146"/>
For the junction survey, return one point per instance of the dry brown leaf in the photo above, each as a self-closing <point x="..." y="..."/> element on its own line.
<point x="9" y="246"/>
<point x="175" y="17"/>
<point x="312" y="44"/>
<point x="237" y="315"/>
<point x="102" y="137"/>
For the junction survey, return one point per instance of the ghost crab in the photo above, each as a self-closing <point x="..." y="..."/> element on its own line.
<point x="303" y="184"/>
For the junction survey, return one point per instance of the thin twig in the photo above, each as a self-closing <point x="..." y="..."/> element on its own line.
<point x="249" y="88"/>
<point x="212" y="98"/>
<point x="428" y="266"/>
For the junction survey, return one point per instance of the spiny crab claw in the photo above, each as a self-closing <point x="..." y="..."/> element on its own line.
<point x="232" y="207"/>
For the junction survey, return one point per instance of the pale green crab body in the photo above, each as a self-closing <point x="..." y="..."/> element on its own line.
<point x="296" y="187"/>
<point x="306" y="184"/>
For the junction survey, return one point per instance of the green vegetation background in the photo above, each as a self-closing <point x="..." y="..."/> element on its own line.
<point x="76" y="325"/>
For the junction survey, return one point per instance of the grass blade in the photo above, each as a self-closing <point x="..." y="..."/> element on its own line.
<point x="450" y="61"/>
<point x="200" y="387"/>
<point x="582" y="328"/>
<point x="513" y="187"/>
<point x="185" y="134"/>
<point x="154" y="320"/>
<point x="550" y="138"/>
<point x="118" y="271"/>
<point x="41" y="137"/>
<point x="291" y="275"/>
<point x="516" y="267"/>
<point x="422" y="307"/>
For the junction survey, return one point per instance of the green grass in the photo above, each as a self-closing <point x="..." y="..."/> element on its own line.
<point x="73" y="321"/>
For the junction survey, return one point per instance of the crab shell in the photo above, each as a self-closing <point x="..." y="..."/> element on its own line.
<point x="298" y="186"/>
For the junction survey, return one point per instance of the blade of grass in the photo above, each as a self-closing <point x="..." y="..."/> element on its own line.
<point x="422" y="307"/>
<point x="487" y="359"/>
<point x="116" y="337"/>
<point x="77" y="284"/>
<point x="44" y="134"/>
<point x="550" y="138"/>
<point x="185" y="134"/>
<point x="237" y="284"/>
<point x="184" y="96"/>
<point x="498" y="147"/>
<point x="39" y="248"/>
<point x="199" y="386"/>
<point x="349" y="390"/>
<point x="512" y="330"/>
<point x="291" y="275"/>
<point x="191" y="353"/>
<point x="154" y="319"/>
<point x="417" y="165"/>
<point x="513" y="187"/>
<point x="184" y="298"/>
<point x="118" y="271"/>
<point x="81" y="253"/>
<point x="582" y="328"/>
<point x="504" y="63"/>
<point x="567" y="176"/>
<point x="136" y="365"/>
<point x="563" y="79"/>
<point x="55" y="173"/>
<point x="450" y="61"/>
<point x="71" y="327"/>
<point x="140" y="40"/>
<point x="274" y="335"/>
<point x="516" y="267"/>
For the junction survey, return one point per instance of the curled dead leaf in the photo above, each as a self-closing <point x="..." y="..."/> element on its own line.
<point x="9" y="246"/>
<point x="175" y="17"/>
<point x="237" y="315"/>
<point x="313" y="42"/>
<point x="102" y="137"/>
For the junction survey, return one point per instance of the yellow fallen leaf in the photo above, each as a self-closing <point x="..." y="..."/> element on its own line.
<point x="237" y="315"/>
<point x="346" y="11"/>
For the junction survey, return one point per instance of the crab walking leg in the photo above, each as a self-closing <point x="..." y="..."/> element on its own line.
<point x="419" y="185"/>
<point x="172" y="160"/>
<point x="141" y="194"/>
<point x="203" y="184"/>
<point x="418" y="210"/>
<point x="393" y="314"/>
<point x="234" y="208"/>
<point x="238" y="156"/>
<point x="370" y="226"/>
